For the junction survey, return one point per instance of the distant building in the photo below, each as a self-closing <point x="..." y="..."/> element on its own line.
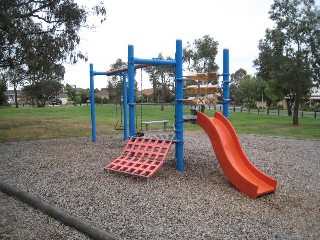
<point x="10" y="96"/>
<point x="314" y="98"/>
<point x="316" y="95"/>
<point x="63" y="96"/>
<point x="148" y="92"/>
<point x="103" y="93"/>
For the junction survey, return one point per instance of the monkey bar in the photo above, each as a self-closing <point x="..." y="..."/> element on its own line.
<point x="125" y="69"/>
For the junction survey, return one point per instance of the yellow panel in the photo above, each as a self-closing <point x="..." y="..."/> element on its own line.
<point x="198" y="76"/>
<point x="212" y="101"/>
<point x="202" y="101"/>
<point x="191" y="101"/>
<point x="204" y="89"/>
<point x="202" y="76"/>
<point x="212" y="76"/>
<point x="212" y="89"/>
<point x="192" y="76"/>
<point x="193" y="89"/>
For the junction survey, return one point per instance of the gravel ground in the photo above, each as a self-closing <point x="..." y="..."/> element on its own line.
<point x="199" y="203"/>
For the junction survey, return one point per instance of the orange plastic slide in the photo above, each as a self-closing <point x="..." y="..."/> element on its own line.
<point x="235" y="164"/>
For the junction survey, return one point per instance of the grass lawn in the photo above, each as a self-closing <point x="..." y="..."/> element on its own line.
<point x="27" y="123"/>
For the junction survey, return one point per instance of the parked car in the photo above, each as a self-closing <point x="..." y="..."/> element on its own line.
<point x="56" y="101"/>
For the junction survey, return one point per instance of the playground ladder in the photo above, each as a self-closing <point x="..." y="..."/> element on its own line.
<point x="141" y="157"/>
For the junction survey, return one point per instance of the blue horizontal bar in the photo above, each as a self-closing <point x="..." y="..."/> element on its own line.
<point x="154" y="61"/>
<point x="99" y="73"/>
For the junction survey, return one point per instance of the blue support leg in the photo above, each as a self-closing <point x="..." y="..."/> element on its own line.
<point x="125" y="102"/>
<point x="226" y="98"/>
<point x="132" y="130"/>
<point x="179" y="107"/>
<point x="93" y="111"/>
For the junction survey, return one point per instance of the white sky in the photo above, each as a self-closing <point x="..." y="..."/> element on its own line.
<point x="153" y="27"/>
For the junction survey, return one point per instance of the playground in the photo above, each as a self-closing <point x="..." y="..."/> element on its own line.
<point x="144" y="155"/>
<point x="199" y="203"/>
<point x="202" y="188"/>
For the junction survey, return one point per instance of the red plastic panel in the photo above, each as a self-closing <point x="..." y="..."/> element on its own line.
<point x="141" y="157"/>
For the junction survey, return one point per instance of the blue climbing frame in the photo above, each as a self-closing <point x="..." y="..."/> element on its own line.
<point x="134" y="63"/>
<point x="177" y="62"/>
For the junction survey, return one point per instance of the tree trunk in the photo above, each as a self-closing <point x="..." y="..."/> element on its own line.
<point x="162" y="103"/>
<point x="289" y="106"/>
<point x="162" y="107"/>
<point x="296" y="110"/>
<point x="15" y="95"/>
<point x="154" y="87"/>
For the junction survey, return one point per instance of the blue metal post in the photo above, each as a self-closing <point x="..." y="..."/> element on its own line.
<point x="179" y="106"/>
<point x="226" y="82"/>
<point x="125" y="102"/>
<point x="93" y="113"/>
<point x="132" y="130"/>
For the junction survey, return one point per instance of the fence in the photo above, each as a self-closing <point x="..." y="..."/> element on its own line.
<point x="279" y="112"/>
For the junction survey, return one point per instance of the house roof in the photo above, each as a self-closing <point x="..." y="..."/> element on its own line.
<point x="147" y="91"/>
<point x="103" y="93"/>
<point x="315" y="95"/>
<point x="11" y="92"/>
<point x="62" y="95"/>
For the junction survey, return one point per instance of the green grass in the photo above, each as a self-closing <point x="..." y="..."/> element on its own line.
<point x="27" y="123"/>
<point x="272" y="125"/>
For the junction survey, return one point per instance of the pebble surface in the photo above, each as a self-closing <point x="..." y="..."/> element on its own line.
<point x="199" y="203"/>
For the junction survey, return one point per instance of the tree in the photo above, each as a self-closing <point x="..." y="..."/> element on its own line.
<point x="36" y="35"/>
<point x="235" y="79"/>
<point x="84" y="95"/>
<point x="237" y="76"/>
<point x="115" y="83"/>
<point x="289" y="58"/>
<point x="42" y="85"/>
<point x="3" y="89"/>
<point x="15" y="77"/>
<point x="200" y="56"/>
<point x="267" y="95"/>
<point x="160" y="77"/>
<point x="40" y="91"/>
<point x="34" y="32"/>
<point x="71" y="91"/>
<point x="250" y="89"/>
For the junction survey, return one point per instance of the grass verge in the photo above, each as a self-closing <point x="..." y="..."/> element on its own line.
<point x="27" y="123"/>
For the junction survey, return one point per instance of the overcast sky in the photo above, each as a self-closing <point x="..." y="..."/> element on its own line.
<point x="153" y="27"/>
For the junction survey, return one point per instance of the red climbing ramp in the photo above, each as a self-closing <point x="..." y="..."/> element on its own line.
<point x="235" y="164"/>
<point x="141" y="157"/>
